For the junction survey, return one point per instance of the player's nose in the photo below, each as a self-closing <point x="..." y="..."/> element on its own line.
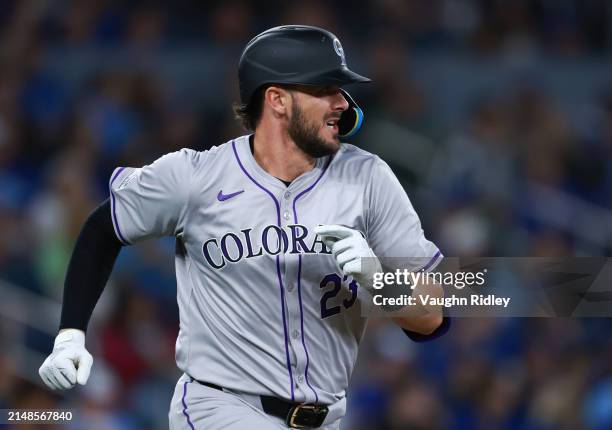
<point x="339" y="103"/>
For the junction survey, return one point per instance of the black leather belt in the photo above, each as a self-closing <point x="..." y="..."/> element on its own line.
<point x="296" y="415"/>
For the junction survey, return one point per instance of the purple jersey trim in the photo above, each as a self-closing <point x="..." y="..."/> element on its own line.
<point x="280" y="280"/>
<point x="115" y="222"/>
<point x="299" y="277"/>
<point x="431" y="262"/>
<point x="185" y="405"/>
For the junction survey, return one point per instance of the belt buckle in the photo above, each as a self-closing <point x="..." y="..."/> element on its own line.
<point x="316" y="411"/>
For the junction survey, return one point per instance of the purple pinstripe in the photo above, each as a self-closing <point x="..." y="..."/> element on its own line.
<point x="185" y="405"/>
<point x="280" y="280"/>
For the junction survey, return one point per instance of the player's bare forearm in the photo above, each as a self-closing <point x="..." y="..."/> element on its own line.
<point x="419" y="318"/>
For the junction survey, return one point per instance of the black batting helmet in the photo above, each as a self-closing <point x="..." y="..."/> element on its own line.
<point x="299" y="54"/>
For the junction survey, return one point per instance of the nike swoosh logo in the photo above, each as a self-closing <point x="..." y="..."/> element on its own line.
<point x="223" y="197"/>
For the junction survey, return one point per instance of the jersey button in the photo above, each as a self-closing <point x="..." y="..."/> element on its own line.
<point x="295" y="334"/>
<point x="286" y="215"/>
<point x="287" y="194"/>
<point x="290" y="288"/>
<point x="301" y="378"/>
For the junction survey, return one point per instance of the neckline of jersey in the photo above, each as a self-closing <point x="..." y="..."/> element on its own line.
<point x="301" y="182"/>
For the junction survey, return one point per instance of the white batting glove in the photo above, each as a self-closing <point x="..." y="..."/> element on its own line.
<point x="69" y="363"/>
<point x="352" y="253"/>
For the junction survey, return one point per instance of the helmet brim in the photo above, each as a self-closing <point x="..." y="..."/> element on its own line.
<point x="342" y="76"/>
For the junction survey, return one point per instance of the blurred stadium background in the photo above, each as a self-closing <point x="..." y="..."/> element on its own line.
<point x="496" y="115"/>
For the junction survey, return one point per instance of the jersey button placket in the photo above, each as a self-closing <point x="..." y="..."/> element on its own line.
<point x="292" y="300"/>
<point x="289" y="268"/>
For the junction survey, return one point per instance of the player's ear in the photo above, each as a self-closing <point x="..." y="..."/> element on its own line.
<point x="278" y="99"/>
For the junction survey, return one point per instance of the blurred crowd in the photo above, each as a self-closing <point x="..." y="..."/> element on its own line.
<point x="495" y="167"/>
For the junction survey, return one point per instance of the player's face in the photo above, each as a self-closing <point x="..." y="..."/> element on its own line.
<point x="313" y="124"/>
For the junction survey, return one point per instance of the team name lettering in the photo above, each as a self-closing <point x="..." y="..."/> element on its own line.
<point x="273" y="240"/>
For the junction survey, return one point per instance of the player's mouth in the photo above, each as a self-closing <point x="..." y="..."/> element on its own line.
<point x="332" y="124"/>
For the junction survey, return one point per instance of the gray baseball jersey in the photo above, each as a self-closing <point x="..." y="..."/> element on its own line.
<point x="263" y="307"/>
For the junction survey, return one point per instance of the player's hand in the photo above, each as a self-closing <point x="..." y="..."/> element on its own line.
<point x="69" y="362"/>
<point x="352" y="253"/>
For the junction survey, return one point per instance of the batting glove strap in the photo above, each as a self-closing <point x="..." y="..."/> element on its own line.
<point x="70" y="336"/>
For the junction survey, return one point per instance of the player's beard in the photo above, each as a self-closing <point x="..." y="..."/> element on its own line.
<point x="306" y="135"/>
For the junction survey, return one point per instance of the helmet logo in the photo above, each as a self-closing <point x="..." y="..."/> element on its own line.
<point x="339" y="51"/>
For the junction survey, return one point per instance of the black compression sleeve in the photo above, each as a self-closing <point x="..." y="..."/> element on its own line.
<point x="90" y="267"/>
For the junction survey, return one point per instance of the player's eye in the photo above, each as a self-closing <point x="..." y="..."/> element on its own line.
<point x="327" y="90"/>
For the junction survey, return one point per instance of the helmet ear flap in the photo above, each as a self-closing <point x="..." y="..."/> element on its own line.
<point x="351" y="119"/>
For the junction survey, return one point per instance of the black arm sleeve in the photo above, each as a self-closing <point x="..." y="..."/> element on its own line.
<point x="94" y="255"/>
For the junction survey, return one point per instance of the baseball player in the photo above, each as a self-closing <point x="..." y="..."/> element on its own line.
<point x="271" y="231"/>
